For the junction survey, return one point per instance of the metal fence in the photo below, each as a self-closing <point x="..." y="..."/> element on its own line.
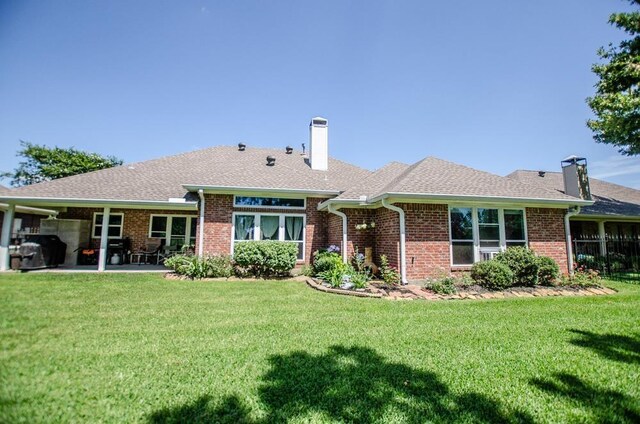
<point x="613" y="256"/>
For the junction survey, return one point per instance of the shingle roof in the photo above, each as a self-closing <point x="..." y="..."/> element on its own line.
<point x="436" y="177"/>
<point x="4" y="190"/>
<point x="161" y="179"/>
<point x="610" y="199"/>
<point x="374" y="183"/>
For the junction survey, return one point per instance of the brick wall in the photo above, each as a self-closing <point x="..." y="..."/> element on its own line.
<point x="218" y="223"/>
<point x="545" y="229"/>
<point x="427" y="240"/>
<point x="135" y="225"/>
<point x="387" y="234"/>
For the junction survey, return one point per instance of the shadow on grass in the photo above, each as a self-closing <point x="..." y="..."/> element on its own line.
<point x="612" y="346"/>
<point x="348" y="384"/>
<point x="605" y="406"/>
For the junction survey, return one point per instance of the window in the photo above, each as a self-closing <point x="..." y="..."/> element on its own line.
<point x="115" y="225"/>
<point x="175" y="230"/>
<point x="269" y="202"/>
<point x="289" y="228"/>
<point x="479" y="233"/>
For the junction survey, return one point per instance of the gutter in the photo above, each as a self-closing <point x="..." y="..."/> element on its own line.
<point x="344" y="231"/>
<point x="473" y="198"/>
<point x="55" y="201"/>
<point x="201" y="224"/>
<point x="567" y="233"/>
<point x="403" y="257"/>
<point x="250" y="190"/>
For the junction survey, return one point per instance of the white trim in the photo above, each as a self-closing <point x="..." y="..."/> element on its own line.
<point x="281" y="233"/>
<point x="104" y="236"/>
<point x="93" y="225"/>
<point x="482" y="199"/>
<point x="301" y="208"/>
<point x="131" y="204"/>
<point x="273" y="192"/>
<point x="475" y="228"/>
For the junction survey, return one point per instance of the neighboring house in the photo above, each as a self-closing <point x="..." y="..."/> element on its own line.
<point x="614" y="215"/>
<point x="428" y="218"/>
<point x="26" y="219"/>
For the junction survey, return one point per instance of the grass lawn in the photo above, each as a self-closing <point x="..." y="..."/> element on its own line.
<point x="138" y="348"/>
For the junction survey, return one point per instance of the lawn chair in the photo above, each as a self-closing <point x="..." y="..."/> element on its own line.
<point x="150" y="253"/>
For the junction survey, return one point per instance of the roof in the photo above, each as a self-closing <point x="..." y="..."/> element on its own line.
<point x="4" y="190"/>
<point x="222" y="166"/>
<point x="610" y="199"/>
<point x="439" y="179"/>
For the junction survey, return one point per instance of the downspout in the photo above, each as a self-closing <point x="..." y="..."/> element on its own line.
<point x="403" y="257"/>
<point x="201" y="224"/>
<point x="344" y="230"/>
<point x="567" y="233"/>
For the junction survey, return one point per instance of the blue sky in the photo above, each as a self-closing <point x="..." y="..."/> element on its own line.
<point x="497" y="85"/>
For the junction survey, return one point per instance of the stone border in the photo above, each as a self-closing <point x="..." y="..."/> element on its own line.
<point x="312" y="283"/>
<point x="414" y="292"/>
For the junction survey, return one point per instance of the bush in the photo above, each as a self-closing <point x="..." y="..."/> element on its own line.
<point x="325" y="261"/>
<point x="389" y="274"/>
<point x="548" y="271"/>
<point x="444" y="285"/>
<point x="266" y="258"/>
<point x="492" y="275"/>
<point x="580" y="278"/>
<point x="196" y="267"/>
<point x="522" y="262"/>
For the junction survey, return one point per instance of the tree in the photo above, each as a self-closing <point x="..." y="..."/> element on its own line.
<point x="616" y="103"/>
<point x="49" y="163"/>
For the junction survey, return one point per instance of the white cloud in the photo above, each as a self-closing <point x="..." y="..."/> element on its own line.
<point x="615" y="166"/>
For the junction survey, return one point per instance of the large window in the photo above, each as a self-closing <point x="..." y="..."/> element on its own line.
<point x="479" y="233"/>
<point x="269" y="202"/>
<point x="289" y="228"/>
<point x="116" y="221"/>
<point x="175" y="230"/>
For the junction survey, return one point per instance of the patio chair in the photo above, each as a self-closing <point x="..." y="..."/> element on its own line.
<point x="150" y="251"/>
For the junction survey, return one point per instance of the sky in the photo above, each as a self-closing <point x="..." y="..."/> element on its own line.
<point x="497" y="85"/>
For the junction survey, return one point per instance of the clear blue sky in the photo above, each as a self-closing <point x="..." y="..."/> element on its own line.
<point x="496" y="85"/>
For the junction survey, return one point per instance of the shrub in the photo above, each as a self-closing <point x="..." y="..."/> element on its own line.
<point x="548" y="271"/>
<point x="492" y="275"/>
<point x="444" y="285"/>
<point x="306" y="270"/>
<point x="522" y="262"/>
<point x="389" y="274"/>
<point x="324" y="261"/>
<point x="265" y="258"/>
<point x="196" y="267"/>
<point x="580" y="278"/>
<point x="334" y="276"/>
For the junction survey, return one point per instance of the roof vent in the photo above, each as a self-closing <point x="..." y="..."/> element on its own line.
<point x="271" y="160"/>
<point x="289" y="150"/>
<point x="304" y="148"/>
<point x="242" y="146"/>
<point x="541" y="173"/>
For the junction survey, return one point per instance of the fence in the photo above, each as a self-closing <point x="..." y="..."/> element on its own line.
<point x="613" y="256"/>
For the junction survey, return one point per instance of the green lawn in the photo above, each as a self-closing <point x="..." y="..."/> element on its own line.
<point x="123" y="348"/>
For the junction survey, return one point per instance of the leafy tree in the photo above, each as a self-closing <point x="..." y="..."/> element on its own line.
<point x="616" y="103"/>
<point x="49" y="163"/>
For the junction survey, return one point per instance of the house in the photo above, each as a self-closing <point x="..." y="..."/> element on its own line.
<point x="614" y="215"/>
<point x="428" y="218"/>
<point x="26" y="219"/>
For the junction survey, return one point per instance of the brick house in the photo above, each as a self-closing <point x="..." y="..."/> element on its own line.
<point x="428" y="218"/>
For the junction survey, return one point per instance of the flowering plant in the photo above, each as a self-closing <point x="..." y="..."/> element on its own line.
<point x="365" y="226"/>
<point x="333" y="249"/>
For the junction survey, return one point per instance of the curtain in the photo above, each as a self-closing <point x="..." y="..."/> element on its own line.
<point x="244" y="226"/>
<point x="293" y="225"/>
<point x="269" y="227"/>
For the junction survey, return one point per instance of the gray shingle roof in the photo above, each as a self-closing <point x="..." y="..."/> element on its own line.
<point x="610" y="199"/>
<point x="4" y="190"/>
<point x="161" y="179"/>
<point x="436" y="177"/>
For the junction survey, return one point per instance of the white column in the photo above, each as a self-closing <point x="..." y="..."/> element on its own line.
<point x="602" y="235"/>
<point x="104" y="239"/>
<point x="7" y="227"/>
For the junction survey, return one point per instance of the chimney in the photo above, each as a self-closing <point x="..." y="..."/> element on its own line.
<point x="576" y="180"/>
<point x="319" y="144"/>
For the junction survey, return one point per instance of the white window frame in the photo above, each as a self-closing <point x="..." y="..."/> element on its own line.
<point x="477" y="250"/>
<point x="281" y="230"/>
<point x="93" y="226"/>
<point x="168" y="227"/>
<point x="301" y="208"/>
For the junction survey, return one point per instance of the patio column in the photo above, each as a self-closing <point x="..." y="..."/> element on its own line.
<point x="104" y="239"/>
<point x="7" y="227"/>
<point x="602" y="235"/>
